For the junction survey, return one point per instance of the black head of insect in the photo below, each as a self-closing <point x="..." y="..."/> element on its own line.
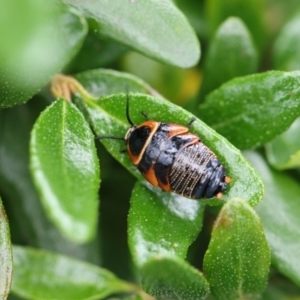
<point x="130" y="130"/>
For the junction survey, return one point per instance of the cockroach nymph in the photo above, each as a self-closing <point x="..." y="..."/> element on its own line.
<point x="172" y="158"/>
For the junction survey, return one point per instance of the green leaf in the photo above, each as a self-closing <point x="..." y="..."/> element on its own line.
<point x="170" y="278"/>
<point x="103" y="82"/>
<point x="279" y="212"/>
<point x="231" y="54"/>
<point x="161" y="223"/>
<point x="284" y="151"/>
<point x="250" y="12"/>
<point x="5" y="255"/>
<point x="44" y="275"/>
<point x="108" y="117"/>
<point x="28" y="221"/>
<point x="37" y="40"/>
<point x="251" y="110"/>
<point x="155" y="28"/>
<point x="161" y="226"/>
<point x="286" y="54"/>
<point x="237" y="261"/>
<point x="65" y="169"/>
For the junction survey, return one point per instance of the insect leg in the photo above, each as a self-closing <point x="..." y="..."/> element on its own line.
<point x="145" y="115"/>
<point x="193" y="119"/>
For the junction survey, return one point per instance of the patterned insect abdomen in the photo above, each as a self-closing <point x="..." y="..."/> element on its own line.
<point x="197" y="173"/>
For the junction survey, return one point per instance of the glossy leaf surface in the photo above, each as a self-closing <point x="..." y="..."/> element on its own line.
<point x="103" y="82"/>
<point x="37" y="40"/>
<point x="44" y="275"/>
<point x="108" y="117"/>
<point x="230" y="54"/>
<point x="251" y="110"/>
<point x="286" y="54"/>
<point x="170" y="278"/>
<point x="237" y="261"/>
<point x="279" y="212"/>
<point x="161" y="227"/>
<point x="5" y="255"/>
<point x="65" y="169"/>
<point x="250" y="12"/>
<point x="284" y="151"/>
<point x="161" y="223"/>
<point x="155" y="28"/>
<point x="29" y="222"/>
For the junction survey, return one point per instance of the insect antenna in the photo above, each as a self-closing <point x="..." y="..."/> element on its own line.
<point x="145" y="115"/>
<point x="191" y="122"/>
<point x="127" y="110"/>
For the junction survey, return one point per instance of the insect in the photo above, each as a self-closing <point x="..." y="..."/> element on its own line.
<point x="172" y="158"/>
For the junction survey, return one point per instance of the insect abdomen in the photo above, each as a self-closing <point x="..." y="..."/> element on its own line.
<point x="197" y="173"/>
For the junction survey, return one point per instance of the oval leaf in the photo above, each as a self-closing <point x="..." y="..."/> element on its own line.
<point x="250" y="12"/>
<point x="108" y="117"/>
<point x="103" y="82"/>
<point x="231" y="54"/>
<point x="286" y="54"/>
<point x="65" y="169"/>
<point x="161" y="223"/>
<point x="31" y="225"/>
<point x="251" y="110"/>
<point x="170" y="278"/>
<point x="237" y="261"/>
<point x="284" y="151"/>
<point x="166" y="35"/>
<point x="161" y="226"/>
<point x="37" y="41"/>
<point x="279" y="212"/>
<point x="5" y="255"/>
<point x="62" y="277"/>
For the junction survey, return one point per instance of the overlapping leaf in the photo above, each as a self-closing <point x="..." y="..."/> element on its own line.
<point x="249" y="11"/>
<point x="103" y="82"/>
<point x="65" y="169"/>
<point x="286" y="47"/>
<point x="251" y="110"/>
<point x="44" y="275"/>
<point x="161" y="227"/>
<point x="170" y="278"/>
<point x="279" y="212"/>
<point x="284" y="151"/>
<point x="27" y="216"/>
<point x="161" y="223"/>
<point x="237" y="261"/>
<point x="231" y="54"/>
<point x="164" y="35"/>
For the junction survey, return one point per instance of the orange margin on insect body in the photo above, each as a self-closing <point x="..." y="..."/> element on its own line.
<point x="227" y="180"/>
